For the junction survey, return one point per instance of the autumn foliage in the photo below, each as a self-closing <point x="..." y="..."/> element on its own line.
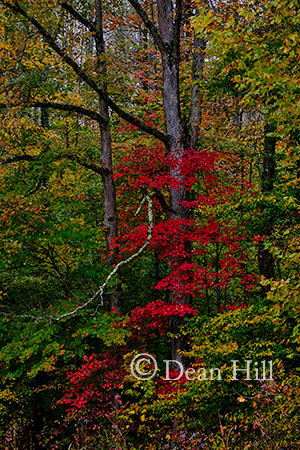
<point x="149" y="204"/>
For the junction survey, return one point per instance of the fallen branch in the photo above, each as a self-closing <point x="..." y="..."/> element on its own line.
<point x="100" y="291"/>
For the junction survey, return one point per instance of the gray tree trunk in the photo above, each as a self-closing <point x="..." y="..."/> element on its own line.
<point x="109" y="192"/>
<point x="169" y="29"/>
<point x="196" y="95"/>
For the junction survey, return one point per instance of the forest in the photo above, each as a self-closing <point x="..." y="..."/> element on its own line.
<point x="150" y="233"/>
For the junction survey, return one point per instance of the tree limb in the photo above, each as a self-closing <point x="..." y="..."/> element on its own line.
<point x="88" y="24"/>
<point x="85" y="77"/>
<point x="72" y="108"/>
<point x="63" y="107"/>
<point x="101" y="170"/>
<point x="17" y="158"/>
<point x="100" y="291"/>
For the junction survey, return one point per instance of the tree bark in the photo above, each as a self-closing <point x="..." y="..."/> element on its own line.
<point x="169" y="29"/>
<point x="109" y="191"/>
<point x="196" y="95"/>
<point x="265" y="258"/>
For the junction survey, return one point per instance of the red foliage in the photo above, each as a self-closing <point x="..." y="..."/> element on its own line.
<point x="150" y="169"/>
<point x="156" y="316"/>
<point x="94" y="381"/>
<point x="214" y="257"/>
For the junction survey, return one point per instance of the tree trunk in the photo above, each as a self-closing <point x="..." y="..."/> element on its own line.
<point x="265" y="259"/>
<point x="170" y="33"/>
<point x="196" y="96"/>
<point x="110" y="206"/>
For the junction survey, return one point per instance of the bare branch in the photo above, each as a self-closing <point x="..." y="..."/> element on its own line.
<point x="17" y="158"/>
<point x="72" y="108"/>
<point x="22" y="316"/>
<point x="62" y="107"/>
<point x="100" y="291"/>
<point x="101" y="170"/>
<point x="87" y="23"/>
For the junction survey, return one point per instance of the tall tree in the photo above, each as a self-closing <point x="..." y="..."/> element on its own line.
<point x="166" y="34"/>
<point x="265" y="258"/>
<point x="109" y="191"/>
